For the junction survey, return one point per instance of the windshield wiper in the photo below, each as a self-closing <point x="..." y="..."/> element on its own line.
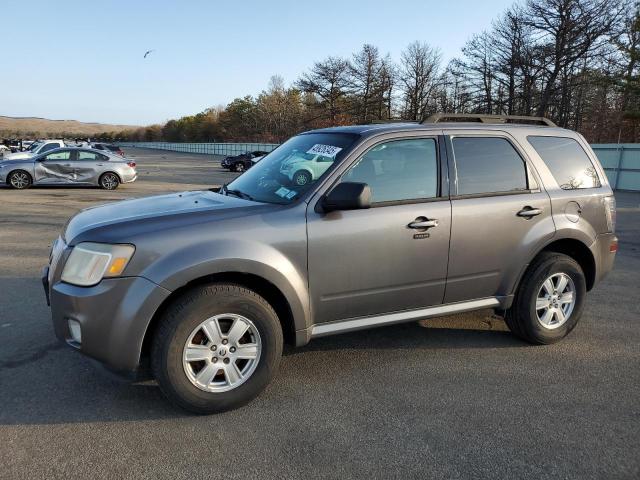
<point x="237" y="193"/>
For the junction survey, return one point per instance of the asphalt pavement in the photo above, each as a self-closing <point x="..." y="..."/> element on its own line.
<point x="456" y="397"/>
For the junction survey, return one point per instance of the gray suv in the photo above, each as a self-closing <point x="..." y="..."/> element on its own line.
<point x="406" y="222"/>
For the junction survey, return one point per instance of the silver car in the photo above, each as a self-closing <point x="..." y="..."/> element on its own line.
<point x="72" y="166"/>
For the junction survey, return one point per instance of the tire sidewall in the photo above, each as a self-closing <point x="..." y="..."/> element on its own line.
<point x="527" y="307"/>
<point x="170" y="349"/>
<point x="102" y="179"/>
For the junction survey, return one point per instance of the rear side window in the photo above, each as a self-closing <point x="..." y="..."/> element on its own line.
<point x="568" y="162"/>
<point x="488" y="165"/>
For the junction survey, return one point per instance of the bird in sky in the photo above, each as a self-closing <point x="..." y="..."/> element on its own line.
<point x="147" y="53"/>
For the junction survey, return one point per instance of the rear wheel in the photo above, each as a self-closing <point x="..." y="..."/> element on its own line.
<point x="217" y="348"/>
<point x="20" y="179"/>
<point x="549" y="301"/>
<point x="109" y="181"/>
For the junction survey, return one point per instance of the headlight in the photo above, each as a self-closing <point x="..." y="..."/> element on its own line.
<point x="91" y="262"/>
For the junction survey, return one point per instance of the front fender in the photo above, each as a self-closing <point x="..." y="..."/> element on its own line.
<point x="199" y="260"/>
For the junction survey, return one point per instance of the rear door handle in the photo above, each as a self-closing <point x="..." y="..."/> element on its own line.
<point x="528" y="212"/>
<point x="426" y="223"/>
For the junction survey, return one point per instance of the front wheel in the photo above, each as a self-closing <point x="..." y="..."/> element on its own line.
<point x="20" y="179"/>
<point x="240" y="167"/>
<point x="301" y="177"/>
<point x="217" y="347"/>
<point x="109" y="181"/>
<point x="550" y="299"/>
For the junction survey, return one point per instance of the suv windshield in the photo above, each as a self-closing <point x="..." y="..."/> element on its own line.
<point x="34" y="146"/>
<point x="292" y="168"/>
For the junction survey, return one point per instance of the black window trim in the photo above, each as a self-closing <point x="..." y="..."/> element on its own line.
<point x="453" y="180"/>
<point x="439" y="190"/>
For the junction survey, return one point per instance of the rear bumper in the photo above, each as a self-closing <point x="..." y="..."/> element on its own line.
<point x="113" y="317"/>
<point x="605" y="258"/>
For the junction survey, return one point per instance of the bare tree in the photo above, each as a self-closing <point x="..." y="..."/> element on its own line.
<point x="328" y="80"/>
<point x="419" y="73"/>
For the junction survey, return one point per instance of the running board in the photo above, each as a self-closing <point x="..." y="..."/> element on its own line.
<point x="360" y="323"/>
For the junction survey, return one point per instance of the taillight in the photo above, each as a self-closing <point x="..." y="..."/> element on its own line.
<point x="610" y="211"/>
<point x="131" y="164"/>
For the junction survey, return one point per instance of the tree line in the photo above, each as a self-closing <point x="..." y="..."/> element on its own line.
<point x="573" y="61"/>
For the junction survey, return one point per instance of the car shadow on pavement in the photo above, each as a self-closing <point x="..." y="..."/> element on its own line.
<point x="53" y="384"/>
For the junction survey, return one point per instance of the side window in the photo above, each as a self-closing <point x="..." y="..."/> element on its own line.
<point x="63" y="155"/>
<point x="49" y="146"/>
<point x="568" y="162"/>
<point x="84" y="155"/>
<point x="398" y="170"/>
<point x="488" y="165"/>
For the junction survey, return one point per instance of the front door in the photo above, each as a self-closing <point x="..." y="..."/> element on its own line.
<point x="56" y="167"/>
<point x="392" y="256"/>
<point x="499" y="216"/>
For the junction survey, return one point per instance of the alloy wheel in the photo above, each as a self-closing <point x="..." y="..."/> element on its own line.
<point x="222" y="353"/>
<point x="20" y="180"/>
<point x="555" y="301"/>
<point x="109" y="181"/>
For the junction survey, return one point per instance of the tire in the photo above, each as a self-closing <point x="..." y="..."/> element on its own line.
<point x="239" y="167"/>
<point x="301" y="178"/>
<point x="19" y="179"/>
<point x="109" y="181"/>
<point x="548" y="324"/>
<point x="180" y="326"/>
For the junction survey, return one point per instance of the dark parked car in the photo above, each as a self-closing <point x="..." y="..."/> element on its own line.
<point x="242" y="162"/>
<point x="407" y="222"/>
<point x="108" y="147"/>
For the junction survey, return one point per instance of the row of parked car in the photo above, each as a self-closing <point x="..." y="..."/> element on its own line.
<point x="53" y="162"/>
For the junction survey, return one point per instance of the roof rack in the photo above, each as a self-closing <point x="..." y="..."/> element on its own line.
<point x="486" y="118"/>
<point x="391" y="120"/>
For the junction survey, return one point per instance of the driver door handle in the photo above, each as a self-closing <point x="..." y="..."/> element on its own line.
<point x="528" y="212"/>
<point x="426" y="223"/>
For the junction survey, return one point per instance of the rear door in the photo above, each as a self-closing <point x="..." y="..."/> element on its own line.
<point x="88" y="165"/>
<point x="375" y="261"/>
<point x="499" y="214"/>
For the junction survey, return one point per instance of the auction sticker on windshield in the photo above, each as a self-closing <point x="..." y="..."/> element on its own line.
<point x="324" y="150"/>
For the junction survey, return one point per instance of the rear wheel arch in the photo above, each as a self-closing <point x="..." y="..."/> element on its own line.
<point x="573" y="248"/>
<point x="267" y="290"/>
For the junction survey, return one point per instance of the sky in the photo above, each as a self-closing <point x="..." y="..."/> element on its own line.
<point x="84" y="60"/>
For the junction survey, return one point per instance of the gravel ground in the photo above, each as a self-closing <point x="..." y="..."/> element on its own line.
<point x="456" y="397"/>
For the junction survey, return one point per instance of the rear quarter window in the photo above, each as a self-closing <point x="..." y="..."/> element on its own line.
<point x="568" y="162"/>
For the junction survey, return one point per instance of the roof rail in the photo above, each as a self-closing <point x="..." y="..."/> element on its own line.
<point x="487" y="118"/>
<point x="391" y="120"/>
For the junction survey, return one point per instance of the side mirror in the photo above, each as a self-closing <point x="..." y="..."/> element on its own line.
<point x="347" y="196"/>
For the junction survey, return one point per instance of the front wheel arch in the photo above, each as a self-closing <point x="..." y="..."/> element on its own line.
<point x="8" y="180"/>
<point x="271" y="293"/>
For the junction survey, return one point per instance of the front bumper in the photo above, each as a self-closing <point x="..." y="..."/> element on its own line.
<point x="113" y="316"/>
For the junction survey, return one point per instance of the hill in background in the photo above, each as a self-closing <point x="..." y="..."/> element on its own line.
<point x="41" y="127"/>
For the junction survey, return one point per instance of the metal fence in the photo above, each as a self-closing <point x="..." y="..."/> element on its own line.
<point x="205" y="148"/>
<point x="620" y="161"/>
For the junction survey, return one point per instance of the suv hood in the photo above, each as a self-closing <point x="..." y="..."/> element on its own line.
<point x="119" y="221"/>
